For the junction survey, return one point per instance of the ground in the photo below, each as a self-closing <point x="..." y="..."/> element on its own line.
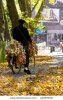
<point x="44" y="80"/>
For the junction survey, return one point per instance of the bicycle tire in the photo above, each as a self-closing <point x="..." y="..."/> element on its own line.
<point x="13" y="67"/>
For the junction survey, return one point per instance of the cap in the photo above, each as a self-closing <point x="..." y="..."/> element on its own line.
<point x="21" y="21"/>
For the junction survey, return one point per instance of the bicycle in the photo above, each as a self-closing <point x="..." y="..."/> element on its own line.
<point x="16" y="56"/>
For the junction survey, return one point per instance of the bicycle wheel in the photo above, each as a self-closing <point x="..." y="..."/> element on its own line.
<point x="15" y="69"/>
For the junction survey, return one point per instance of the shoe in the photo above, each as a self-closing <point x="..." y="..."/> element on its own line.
<point x="27" y="71"/>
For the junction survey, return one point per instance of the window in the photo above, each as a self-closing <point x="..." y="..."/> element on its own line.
<point x="50" y="15"/>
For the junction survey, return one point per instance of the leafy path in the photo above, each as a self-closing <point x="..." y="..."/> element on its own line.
<point x="48" y="82"/>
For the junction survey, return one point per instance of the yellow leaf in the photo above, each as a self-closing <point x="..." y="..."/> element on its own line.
<point x="52" y="2"/>
<point x="24" y="93"/>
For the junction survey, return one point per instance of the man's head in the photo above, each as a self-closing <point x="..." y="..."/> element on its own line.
<point x="21" y="21"/>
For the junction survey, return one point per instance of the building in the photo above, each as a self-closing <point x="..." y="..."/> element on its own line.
<point x="54" y="23"/>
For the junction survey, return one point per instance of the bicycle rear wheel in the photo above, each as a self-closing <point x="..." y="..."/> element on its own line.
<point x="15" y="69"/>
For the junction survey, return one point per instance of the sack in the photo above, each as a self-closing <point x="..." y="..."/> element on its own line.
<point x="21" y="58"/>
<point x="16" y="49"/>
<point x="33" y="48"/>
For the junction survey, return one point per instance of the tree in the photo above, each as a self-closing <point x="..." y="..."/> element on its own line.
<point x="2" y="29"/>
<point x="12" y="12"/>
<point x="25" y="6"/>
<point x="2" y="26"/>
<point x="42" y="3"/>
<point x="6" y="31"/>
<point x="35" y="5"/>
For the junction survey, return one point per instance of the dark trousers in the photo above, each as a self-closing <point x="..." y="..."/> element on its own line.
<point x="27" y="55"/>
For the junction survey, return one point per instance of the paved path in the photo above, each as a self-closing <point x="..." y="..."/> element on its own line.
<point x="57" y="62"/>
<point x="40" y="68"/>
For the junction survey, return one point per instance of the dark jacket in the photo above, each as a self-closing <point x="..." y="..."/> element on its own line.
<point x="21" y="34"/>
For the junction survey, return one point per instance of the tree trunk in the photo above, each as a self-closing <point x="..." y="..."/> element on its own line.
<point x="6" y="32"/>
<point x="25" y="6"/>
<point x="35" y="5"/>
<point x="40" y="9"/>
<point x="2" y="26"/>
<point x="12" y="12"/>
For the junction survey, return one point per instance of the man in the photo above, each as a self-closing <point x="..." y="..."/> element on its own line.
<point x="21" y="34"/>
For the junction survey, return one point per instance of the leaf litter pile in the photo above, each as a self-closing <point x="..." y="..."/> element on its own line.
<point x="47" y="83"/>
